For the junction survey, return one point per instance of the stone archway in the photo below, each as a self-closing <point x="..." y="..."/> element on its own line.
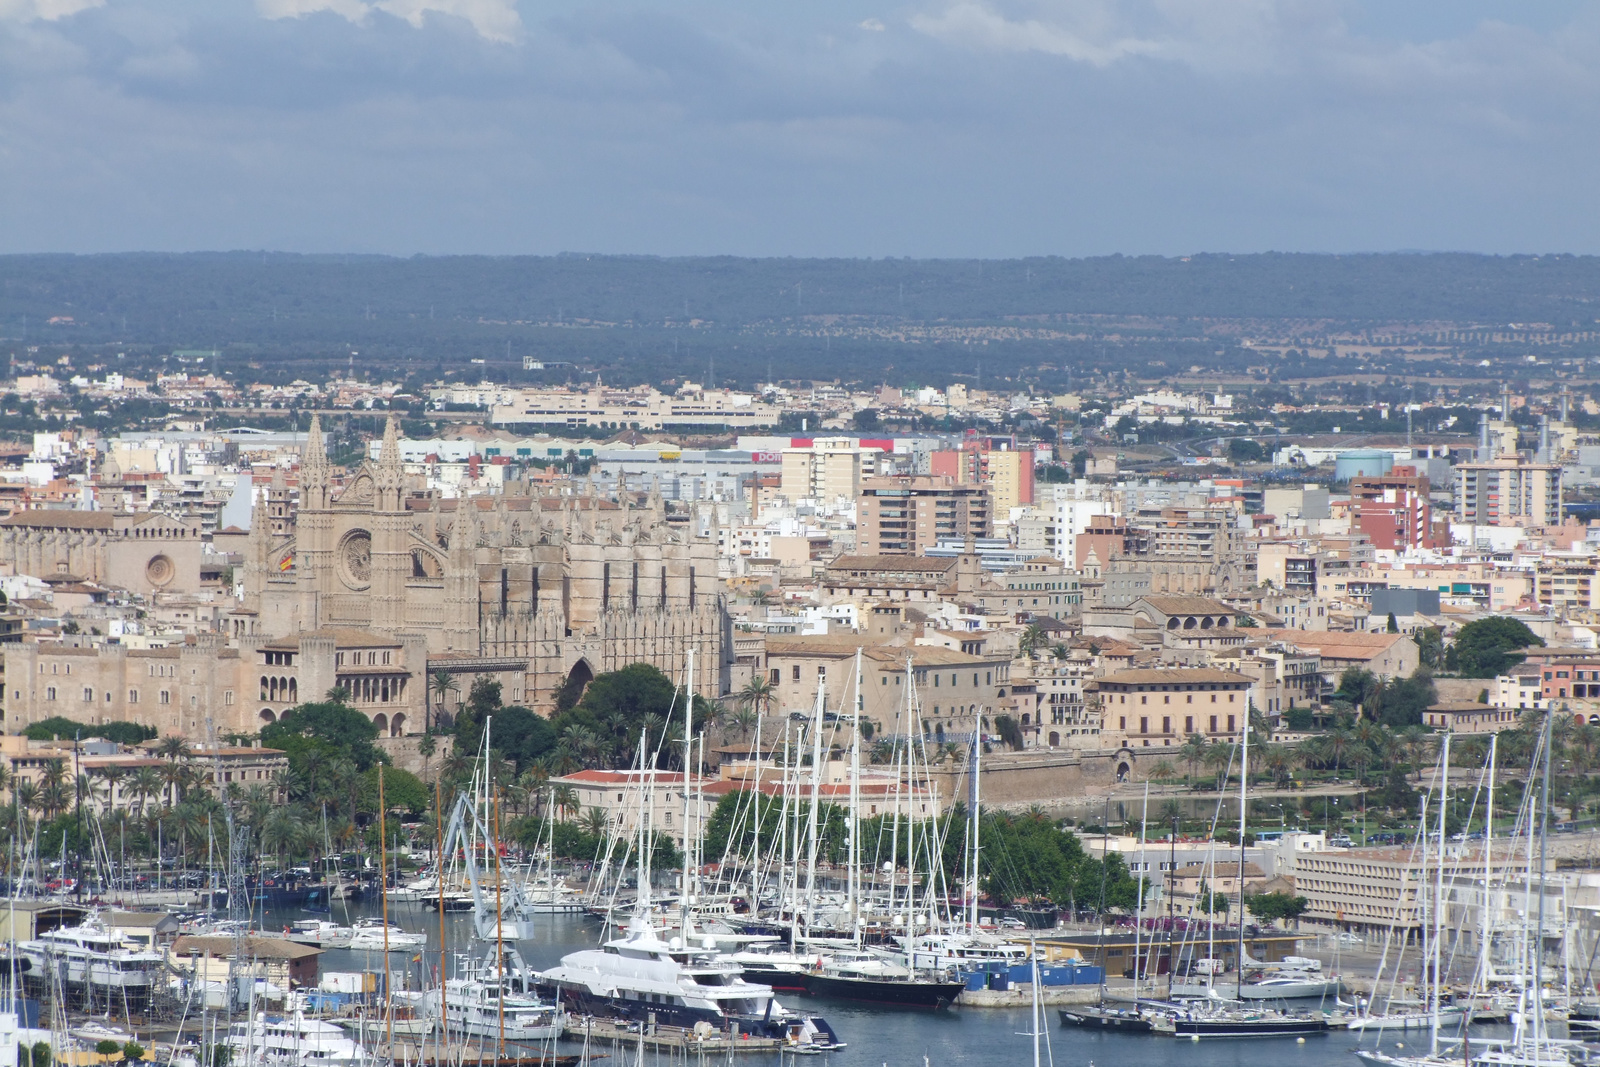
<point x="381" y="721"/>
<point x="268" y="716"/>
<point x="397" y="725"/>
<point x="578" y="679"/>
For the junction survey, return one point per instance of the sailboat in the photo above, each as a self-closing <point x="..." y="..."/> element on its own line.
<point x="854" y="973"/>
<point x="1530" y="1044"/>
<point x="642" y="977"/>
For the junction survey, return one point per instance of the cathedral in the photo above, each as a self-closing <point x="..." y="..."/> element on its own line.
<point x="536" y="590"/>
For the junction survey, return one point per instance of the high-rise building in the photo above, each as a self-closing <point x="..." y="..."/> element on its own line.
<point x="828" y="469"/>
<point x="1010" y="480"/>
<point x="909" y="515"/>
<point x="1508" y="491"/>
<point x="1393" y="509"/>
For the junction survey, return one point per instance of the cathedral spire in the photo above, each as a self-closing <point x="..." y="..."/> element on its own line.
<point x="389" y="453"/>
<point x="314" y="473"/>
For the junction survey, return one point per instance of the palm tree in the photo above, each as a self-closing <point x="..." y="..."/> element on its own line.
<point x="565" y="800"/>
<point x="744" y="720"/>
<point x="1163" y="772"/>
<point x="53" y="798"/>
<point x="283" y="832"/>
<point x="1193" y="751"/>
<point x="1218" y="757"/>
<point x="25" y="795"/>
<point x="758" y="694"/>
<point x="532" y="783"/>
<point x="112" y="776"/>
<point x="1279" y="765"/>
<point x="172" y="747"/>
<point x="54" y="771"/>
<point x="144" y="786"/>
<point x="594" y="822"/>
<point x="426" y="747"/>
<point x="440" y="684"/>
<point x="1339" y="742"/>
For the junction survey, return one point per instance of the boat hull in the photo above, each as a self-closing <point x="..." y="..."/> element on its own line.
<point x="878" y="991"/>
<point x="1095" y="1019"/>
<point x="1241" y="1028"/>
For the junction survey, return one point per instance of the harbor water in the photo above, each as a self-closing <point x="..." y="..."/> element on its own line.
<point x="981" y="1037"/>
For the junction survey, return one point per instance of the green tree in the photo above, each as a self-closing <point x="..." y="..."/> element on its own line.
<point x="1430" y="647"/>
<point x="1276" y="907"/>
<point x="1392" y="626"/>
<point x="1489" y="647"/>
<point x="401" y="789"/>
<point x="331" y="726"/>
<point x="106" y="1048"/>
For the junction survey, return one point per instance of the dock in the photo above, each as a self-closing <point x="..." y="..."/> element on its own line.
<point x="456" y="1055"/>
<point x="626" y="1036"/>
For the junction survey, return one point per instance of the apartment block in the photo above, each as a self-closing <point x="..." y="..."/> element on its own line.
<point x="1510" y="491"/>
<point x="830" y="468"/>
<point x="911" y="514"/>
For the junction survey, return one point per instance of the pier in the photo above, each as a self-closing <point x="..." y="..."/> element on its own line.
<point x="625" y="1037"/>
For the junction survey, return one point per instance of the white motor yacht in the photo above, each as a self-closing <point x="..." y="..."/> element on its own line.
<point x="938" y="952"/>
<point x="319" y="932"/>
<point x="639" y="977"/>
<point x="90" y="955"/>
<point x="293" y="1041"/>
<point x="368" y="935"/>
<point x="1289" y="985"/>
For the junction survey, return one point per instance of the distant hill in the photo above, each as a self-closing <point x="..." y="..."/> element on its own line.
<point x="654" y="317"/>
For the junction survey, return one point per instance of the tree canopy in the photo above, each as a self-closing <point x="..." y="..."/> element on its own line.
<point x="1490" y="647"/>
<point x="59" y="726"/>
<point x="330" y="725"/>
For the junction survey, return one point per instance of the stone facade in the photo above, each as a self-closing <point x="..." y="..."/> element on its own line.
<point x="536" y="590"/>
<point x="145" y="553"/>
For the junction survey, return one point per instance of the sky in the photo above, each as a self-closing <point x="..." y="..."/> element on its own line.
<point x="987" y="128"/>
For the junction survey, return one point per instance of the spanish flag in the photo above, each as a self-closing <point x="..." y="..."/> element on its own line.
<point x="286" y="562"/>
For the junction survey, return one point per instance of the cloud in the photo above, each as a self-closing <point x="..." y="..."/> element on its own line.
<point x="962" y="127"/>
<point x="496" y="20"/>
<point x="1084" y="32"/>
<point x="46" y="10"/>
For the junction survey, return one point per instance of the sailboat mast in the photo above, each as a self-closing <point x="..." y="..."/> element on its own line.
<point x="1438" y="890"/>
<point x="1138" y="915"/>
<point x="1544" y="830"/>
<point x="977" y="762"/>
<point x="816" y="796"/>
<point x="383" y="890"/>
<point x="688" y="741"/>
<point x="1488" y="866"/>
<point x="755" y="819"/>
<point x="854" y="826"/>
<point x="1244" y="803"/>
<point x="438" y="869"/>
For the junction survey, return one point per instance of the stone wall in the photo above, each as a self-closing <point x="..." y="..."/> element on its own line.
<point x="403" y="753"/>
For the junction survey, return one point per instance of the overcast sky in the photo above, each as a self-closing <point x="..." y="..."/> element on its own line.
<point x="800" y="127"/>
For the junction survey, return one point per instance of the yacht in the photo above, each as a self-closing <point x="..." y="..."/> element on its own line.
<point x="368" y="935"/>
<point x="1289" y="985"/>
<point x="418" y="889"/>
<point x="319" y="932"/>
<point x="769" y="964"/>
<point x="939" y="952"/>
<point x="862" y="976"/>
<point x="641" y="978"/>
<point x="90" y="955"/>
<point x="293" y="1041"/>
<point x="486" y="1001"/>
